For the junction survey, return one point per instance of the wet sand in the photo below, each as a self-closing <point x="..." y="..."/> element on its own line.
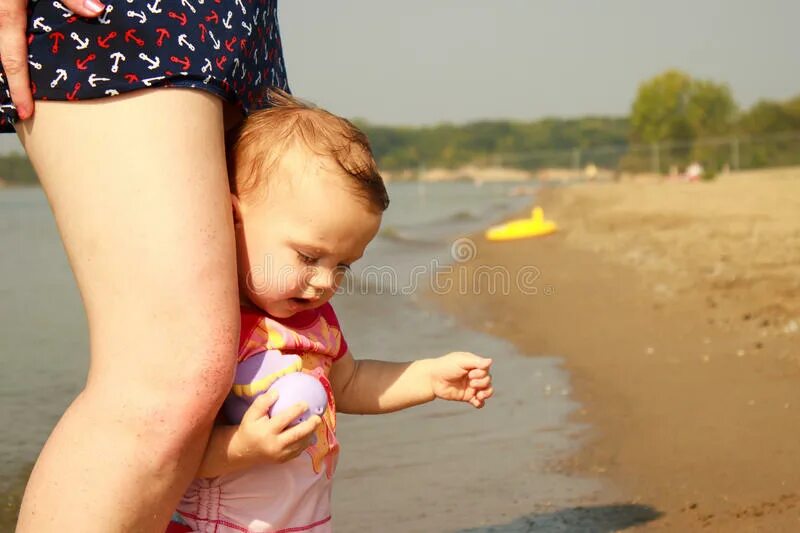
<point x="677" y="309"/>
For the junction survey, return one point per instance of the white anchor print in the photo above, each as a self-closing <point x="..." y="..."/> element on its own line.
<point x="138" y="14"/>
<point x="62" y="76"/>
<point x="149" y="81"/>
<point x="67" y="12"/>
<point x="186" y="3"/>
<point x="104" y="17"/>
<point x="154" y="8"/>
<point x="38" y="23"/>
<point x="214" y="40"/>
<point x="154" y="62"/>
<point x="117" y="57"/>
<point x="82" y="44"/>
<point x="93" y="79"/>
<point x="183" y="41"/>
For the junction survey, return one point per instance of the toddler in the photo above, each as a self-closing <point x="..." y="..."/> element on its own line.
<point x="307" y="199"/>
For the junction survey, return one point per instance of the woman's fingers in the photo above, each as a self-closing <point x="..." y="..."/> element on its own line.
<point x="14" y="54"/>
<point x="85" y="8"/>
<point x="14" y="47"/>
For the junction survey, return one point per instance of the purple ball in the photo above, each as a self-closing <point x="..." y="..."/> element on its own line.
<point x="299" y="387"/>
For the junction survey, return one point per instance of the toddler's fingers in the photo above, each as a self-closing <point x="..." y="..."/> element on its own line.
<point x="476" y="402"/>
<point x="480" y="383"/>
<point x="284" y="418"/>
<point x="260" y="406"/>
<point x="485" y="393"/>
<point x="477" y="373"/>
<point x="303" y="430"/>
<point x="483" y="362"/>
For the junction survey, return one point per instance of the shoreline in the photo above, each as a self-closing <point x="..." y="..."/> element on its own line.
<point x="675" y="307"/>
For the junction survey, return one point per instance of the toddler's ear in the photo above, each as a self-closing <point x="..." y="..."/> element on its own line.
<point x="237" y="210"/>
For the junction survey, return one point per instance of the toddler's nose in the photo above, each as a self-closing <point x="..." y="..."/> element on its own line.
<point x="322" y="280"/>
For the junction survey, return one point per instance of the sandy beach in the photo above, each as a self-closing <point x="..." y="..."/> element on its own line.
<point x="677" y="308"/>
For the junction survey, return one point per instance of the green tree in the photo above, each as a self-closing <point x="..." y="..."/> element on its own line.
<point x="711" y="110"/>
<point x="676" y="108"/>
<point x="673" y="106"/>
<point x="659" y="110"/>
<point x="770" y="117"/>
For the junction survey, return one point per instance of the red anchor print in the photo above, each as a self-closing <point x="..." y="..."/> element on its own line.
<point x="179" y="17"/>
<point x="56" y="37"/>
<point x="74" y="94"/>
<point x="162" y="34"/>
<point x="130" y="35"/>
<point x="184" y="63"/>
<point x="82" y="63"/>
<point x="103" y="41"/>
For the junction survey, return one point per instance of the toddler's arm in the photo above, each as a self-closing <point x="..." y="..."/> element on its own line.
<point x="258" y="439"/>
<point x="370" y="387"/>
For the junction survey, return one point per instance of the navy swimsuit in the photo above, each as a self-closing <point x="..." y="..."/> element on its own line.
<point x="231" y="48"/>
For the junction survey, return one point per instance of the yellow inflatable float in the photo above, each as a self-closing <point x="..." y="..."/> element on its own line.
<point x="534" y="226"/>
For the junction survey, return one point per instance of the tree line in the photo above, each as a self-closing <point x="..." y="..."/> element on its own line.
<point x="674" y="116"/>
<point x="684" y="118"/>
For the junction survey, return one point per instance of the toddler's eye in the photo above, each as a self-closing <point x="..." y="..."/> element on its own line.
<point x="307" y="259"/>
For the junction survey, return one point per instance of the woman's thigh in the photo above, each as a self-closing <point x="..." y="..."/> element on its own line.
<point x="139" y="190"/>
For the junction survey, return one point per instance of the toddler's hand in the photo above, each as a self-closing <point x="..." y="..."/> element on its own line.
<point x="265" y="438"/>
<point x="462" y="376"/>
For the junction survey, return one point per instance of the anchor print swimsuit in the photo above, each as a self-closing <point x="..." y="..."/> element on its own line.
<point x="231" y="48"/>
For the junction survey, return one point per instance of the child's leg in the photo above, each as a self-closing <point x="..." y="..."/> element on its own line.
<point x="139" y="190"/>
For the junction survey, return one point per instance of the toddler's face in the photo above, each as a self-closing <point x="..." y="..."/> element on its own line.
<point x="295" y="242"/>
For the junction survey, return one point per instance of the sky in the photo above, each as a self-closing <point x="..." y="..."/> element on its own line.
<point x="430" y="61"/>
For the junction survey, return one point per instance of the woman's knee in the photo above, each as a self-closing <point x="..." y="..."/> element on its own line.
<point x="179" y="369"/>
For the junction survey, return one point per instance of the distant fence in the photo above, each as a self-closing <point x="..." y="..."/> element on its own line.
<point x="734" y="152"/>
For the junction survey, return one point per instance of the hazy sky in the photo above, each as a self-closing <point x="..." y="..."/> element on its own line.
<point x="427" y="61"/>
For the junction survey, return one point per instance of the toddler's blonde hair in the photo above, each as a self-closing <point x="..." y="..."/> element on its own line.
<point x="265" y="134"/>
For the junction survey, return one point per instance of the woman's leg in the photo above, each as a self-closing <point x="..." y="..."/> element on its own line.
<point x="139" y="190"/>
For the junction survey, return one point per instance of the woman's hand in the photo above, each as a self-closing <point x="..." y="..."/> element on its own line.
<point x="260" y="438"/>
<point x="14" y="46"/>
<point x="462" y="376"/>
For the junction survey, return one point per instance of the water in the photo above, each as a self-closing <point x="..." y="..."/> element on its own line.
<point x="438" y="467"/>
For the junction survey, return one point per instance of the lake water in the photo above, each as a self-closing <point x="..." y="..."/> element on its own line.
<point x="438" y="467"/>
